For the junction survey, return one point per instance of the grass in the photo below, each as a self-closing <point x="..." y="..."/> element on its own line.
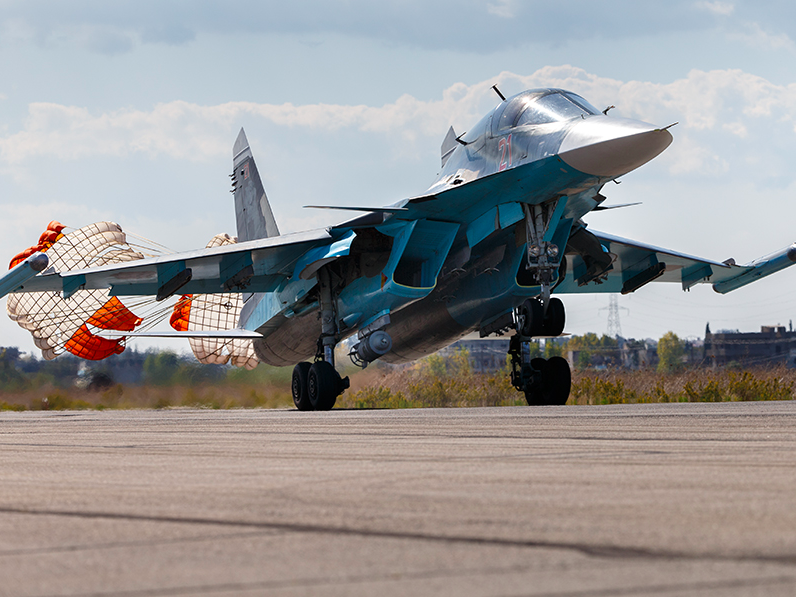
<point x="417" y="388"/>
<point x="429" y="383"/>
<point x="698" y="385"/>
<point x="158" y="397"/>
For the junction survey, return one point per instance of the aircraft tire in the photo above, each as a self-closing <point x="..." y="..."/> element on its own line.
<point x="559" y="381"/>
<point x="552" y="386"/>
<point x="534" y="318"/>
<point x="323" y="385"/>
<point x="298" y="386"/>
<point x="556" y="318"/>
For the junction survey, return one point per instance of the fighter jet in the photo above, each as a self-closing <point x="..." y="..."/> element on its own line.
<point x="489" y="247"/>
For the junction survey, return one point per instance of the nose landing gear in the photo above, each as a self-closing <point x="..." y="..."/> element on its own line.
<point x="544" y="381"/>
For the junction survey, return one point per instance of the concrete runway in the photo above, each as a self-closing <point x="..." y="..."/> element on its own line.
<point x="680" y="499"/>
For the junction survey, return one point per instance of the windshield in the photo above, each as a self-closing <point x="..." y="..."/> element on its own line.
<point x="537" y="108"/>
<point x="581" y="102"/>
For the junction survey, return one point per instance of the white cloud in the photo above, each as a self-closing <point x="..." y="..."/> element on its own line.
<point x="724" y="9"/>
<point x="753" y="34"/>
<point x="501" y="8"/>
<point x="736" y="128"/>
<point x="690" y="158"/>
<point x="189" y="131"/>
<point x="712" y="107"/>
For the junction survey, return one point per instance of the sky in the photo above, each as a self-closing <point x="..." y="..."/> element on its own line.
<point x="127" y="111"/>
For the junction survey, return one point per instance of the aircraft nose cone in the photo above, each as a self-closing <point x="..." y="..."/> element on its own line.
<point x="611" y="147"/>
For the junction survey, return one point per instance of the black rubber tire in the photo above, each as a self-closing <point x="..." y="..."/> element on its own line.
<point x="534" y="318"/>
<point x="534" y="386"/>
<point x="558" y="381"/>
<point x="534" y="398"/>
<point x="323" y="385"/>
<point x="551" y="387"/>
<point x="298" y="386"/>
<point x="556" y="318"/>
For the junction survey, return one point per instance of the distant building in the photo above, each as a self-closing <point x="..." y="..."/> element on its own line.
<point x="487" y="355"/>
<point x="772" y="345"/>
<point x="639" y="354"/>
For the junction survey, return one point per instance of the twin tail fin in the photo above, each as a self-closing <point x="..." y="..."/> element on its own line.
<point x="252" y="210"/>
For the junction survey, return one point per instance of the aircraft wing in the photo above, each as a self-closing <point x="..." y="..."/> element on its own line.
<point x="636" y="264"/>
<point x="258" y="266"/>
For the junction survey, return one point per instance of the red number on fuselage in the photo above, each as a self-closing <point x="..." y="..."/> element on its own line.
<point x="504" y="147"/>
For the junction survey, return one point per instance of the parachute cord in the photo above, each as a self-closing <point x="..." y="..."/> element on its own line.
<point x="152" y="243"/>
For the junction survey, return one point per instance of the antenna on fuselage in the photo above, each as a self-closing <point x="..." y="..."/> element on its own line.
<point x="502" y="97"/>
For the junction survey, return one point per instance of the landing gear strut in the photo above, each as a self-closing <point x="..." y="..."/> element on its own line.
<point x="544" y="257"/>
<point x="316" y="386"/>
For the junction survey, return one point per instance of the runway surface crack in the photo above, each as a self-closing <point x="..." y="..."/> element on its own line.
<point x="592" y="550"/>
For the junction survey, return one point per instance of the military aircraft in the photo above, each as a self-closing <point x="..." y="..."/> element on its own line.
<point x="485" y="249"/>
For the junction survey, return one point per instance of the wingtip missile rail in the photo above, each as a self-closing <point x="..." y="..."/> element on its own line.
<point x="22" y="272"/>
<point x="760" y="268"/>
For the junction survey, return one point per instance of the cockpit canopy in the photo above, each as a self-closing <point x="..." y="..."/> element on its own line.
<point x="541" y="106"/>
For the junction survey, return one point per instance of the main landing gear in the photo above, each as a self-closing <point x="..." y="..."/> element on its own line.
<point x="316" y="386"/>
<point x="544" y="381"/>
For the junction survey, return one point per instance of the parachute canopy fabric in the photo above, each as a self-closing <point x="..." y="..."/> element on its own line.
<point x="214" y="312"/>
<point x="59" y="324"/>
<point x="47" y="239"/>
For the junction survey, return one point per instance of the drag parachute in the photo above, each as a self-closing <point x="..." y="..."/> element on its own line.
<point x="214" y="312"/>
<point x="59" y="324"/>
<point x="47" y="239"/>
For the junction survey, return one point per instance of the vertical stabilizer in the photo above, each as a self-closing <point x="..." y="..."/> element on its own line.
<point x="252" y="210"/>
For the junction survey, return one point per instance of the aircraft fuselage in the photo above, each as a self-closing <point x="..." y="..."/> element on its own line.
<point x="454" y="260"/>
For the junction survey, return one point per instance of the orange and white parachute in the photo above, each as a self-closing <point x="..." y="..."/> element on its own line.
<point x="59" y="324"/>
<point x="47" y="239"/>
<point x="214" y="312"/>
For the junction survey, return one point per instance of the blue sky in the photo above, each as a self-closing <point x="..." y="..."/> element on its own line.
<point x="128" y="110"/>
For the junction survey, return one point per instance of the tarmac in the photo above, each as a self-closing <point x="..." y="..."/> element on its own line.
<point x="670" y="499"/>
